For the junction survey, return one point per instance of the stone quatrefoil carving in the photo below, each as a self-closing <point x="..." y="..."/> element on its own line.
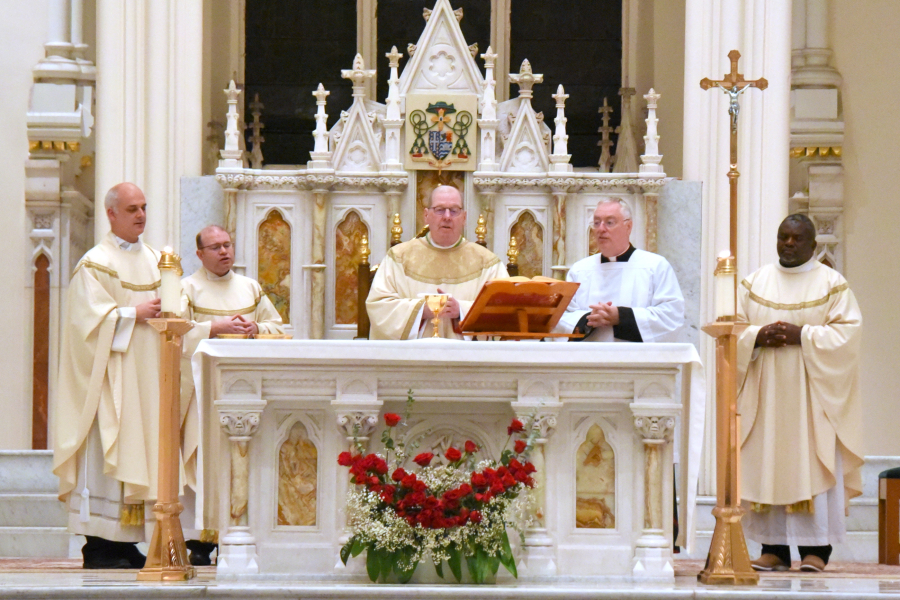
<point x="358" y="423"/>
<point x="239" y="423"/>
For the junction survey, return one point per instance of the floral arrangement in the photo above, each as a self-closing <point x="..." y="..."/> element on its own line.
<point x="458" y="512"/>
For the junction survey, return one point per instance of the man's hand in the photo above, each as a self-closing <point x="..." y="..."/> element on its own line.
<point x="235" y="324"/>
<point x="254" y="328"/>
<point x="778" y="335"/>
<point x="147" y="310"/>
<point x="603" y="315"/>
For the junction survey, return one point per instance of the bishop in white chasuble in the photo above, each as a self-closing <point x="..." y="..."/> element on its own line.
<point x="106" y="421"/>
<point x="801" y="444"/>
<point x="442" y="260"/>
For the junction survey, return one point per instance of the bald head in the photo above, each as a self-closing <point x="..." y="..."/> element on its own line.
<point x="126" y="209"/>
<point x="209" y="229"/>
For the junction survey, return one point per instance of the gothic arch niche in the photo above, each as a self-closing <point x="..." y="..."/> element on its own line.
<point x="595" y="482"/>
<point x="530" y="239"/>
<point x="347" y="246"/>
<point x="298" y="470"/>
<point x="274" y="262"/>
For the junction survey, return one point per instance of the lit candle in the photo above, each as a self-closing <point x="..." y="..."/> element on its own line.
<point x="726" y="279"/>
<point x="170" y="282"/>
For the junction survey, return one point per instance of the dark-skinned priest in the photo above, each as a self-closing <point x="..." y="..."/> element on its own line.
<point x="799" y="403"/>
<point x="106" y="421"/>
<point x="440" y="262"/>
<point x="626" y="294"/>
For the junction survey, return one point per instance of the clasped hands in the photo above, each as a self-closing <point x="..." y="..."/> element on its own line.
<point x="603" y="314"/>
<point x="778" y="335"/>
<point x="234" y="324"/>
<point x="450" y="310"/>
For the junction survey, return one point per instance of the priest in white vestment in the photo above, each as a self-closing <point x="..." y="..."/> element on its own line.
<point x="801" y="446"/>
<point x="217" y="301"/>
<point x="441" y="262"/>
<point x="106" y="421"/>
<point x="626" y="294"/>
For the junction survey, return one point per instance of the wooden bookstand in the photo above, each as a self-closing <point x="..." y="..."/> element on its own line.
<point x="519" y="308"/>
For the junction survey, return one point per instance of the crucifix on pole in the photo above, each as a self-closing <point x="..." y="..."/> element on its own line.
<point x="728" y="562"/>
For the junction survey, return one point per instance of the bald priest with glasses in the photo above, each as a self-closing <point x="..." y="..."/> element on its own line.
<point x="442" y="261"/>
<point x="626" y="294"/>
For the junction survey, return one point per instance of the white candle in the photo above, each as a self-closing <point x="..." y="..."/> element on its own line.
<point x="170" y="282"/>
<point x="725" y="275"/>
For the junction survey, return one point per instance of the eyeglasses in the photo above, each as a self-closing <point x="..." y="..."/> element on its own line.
<point x="217" y="247"/>
<point x="608" y="223"/>
<point x="446" y="212"/>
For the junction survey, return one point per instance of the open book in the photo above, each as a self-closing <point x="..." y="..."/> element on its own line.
<point x="520" y="279"/>
<point x="519" y="308"/>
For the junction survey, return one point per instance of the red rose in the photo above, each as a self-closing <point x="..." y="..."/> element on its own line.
<point x="478" y="480"/>
<point x="453" y="454"/>
<point x="391" y="419"/>
<point x="471" y="448"/>
<point x="520" y="446"/>
<point x="515" y="427"/>
<point x="408" y="481"/>
<point x="464" y="490"/>
<point x="502" y="471"/>
<point x="514" y="465"/>
<point x="529" y="468"/>
<point x="508" y="480"/>
<point x="381" y="466"/>
<point x="345" y="459"/>
<point x="475" y="516"/>
<point x="497" y="488"/>
<point x="521" y="476"/>
<point x="373" y="480"/>
<point x="529" y="482"/>
<point x="418" y="486"/>
<point x="398" y="475"/>
<point x="423" y="459"/>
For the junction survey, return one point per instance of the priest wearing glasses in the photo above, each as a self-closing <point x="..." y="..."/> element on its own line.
<point x="626" y="294"/>
<point x="440" y="262"/>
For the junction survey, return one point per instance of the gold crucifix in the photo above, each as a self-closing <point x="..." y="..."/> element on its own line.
<point x="728" y="562"/>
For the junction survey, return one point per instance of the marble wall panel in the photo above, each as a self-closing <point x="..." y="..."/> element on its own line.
<point x="297" y="479"/>
<point x="274" y="251"/>
<point x="426" y="181"/>
<point x="595" y="482"/>
<point x="347" y="246"/>
<point x="530" y="239"/>
<point x="202" y="204"/>
<point x="593" y="248"/>
<point x="678" y="239"/>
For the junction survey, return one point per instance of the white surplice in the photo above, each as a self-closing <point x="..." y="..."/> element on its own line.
<point x="646" y="283"/>
<point x="801" y="435"/>
<point x="106" y="420"/>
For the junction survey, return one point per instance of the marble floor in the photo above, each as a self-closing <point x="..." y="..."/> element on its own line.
<point x="50" y="579"/>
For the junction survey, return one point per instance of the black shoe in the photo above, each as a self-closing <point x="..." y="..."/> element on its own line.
<point x="200" y="552"/>
<point x="100" y="553"/>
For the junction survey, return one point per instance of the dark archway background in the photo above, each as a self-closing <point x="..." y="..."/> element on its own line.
<point x="293" y="45"/>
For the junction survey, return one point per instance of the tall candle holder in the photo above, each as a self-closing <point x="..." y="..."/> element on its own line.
<point x="167" y="556"/>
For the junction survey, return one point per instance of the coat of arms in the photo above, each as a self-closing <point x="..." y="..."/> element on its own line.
<point x="441" y="132"/>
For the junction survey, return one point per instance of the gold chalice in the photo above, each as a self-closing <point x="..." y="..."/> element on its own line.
<point x="435" y="303"/>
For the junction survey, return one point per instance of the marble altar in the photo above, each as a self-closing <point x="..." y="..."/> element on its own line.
<point x="595" y="404"/>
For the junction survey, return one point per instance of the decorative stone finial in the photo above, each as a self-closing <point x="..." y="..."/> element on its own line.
<point x="525" y="79"/>
<point x="358" y="75"/>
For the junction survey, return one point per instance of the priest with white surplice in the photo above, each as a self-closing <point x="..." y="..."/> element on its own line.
<point x="801" y="436"/>
<point x="626" y="294"/>
<point x="216" y="300"/>
<point x="106" y="420"/>
<point x="440" y="262"/>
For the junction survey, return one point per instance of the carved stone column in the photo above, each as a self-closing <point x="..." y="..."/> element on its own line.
<point x="653" y="552"/>
<point x="559" y="228"/>
<point x="651" y="228"/>
<point x="317" y="293"/>
<point x="540" y="552"/>
<point x="487" y="209"/>
<point x="237" y="549"/>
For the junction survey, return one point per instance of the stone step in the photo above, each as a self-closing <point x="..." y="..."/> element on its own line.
<point x="31" y="510"/>
<point x="34" y="542"/>
<point x="27" y="471"/>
